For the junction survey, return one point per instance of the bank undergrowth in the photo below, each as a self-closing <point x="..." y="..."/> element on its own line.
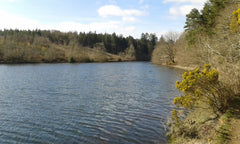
<point x="203" y="111"/>
<point x="210" y="101"/>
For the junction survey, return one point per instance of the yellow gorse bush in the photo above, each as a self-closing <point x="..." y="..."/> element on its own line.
<point x="191" y="86"/>
<point x="200" y="88"/>
<point x="235" y="23"/>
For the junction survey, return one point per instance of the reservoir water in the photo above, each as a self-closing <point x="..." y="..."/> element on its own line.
<point x="110" y="103"/>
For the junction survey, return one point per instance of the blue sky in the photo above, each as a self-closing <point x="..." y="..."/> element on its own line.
<point x="127" y="17"/>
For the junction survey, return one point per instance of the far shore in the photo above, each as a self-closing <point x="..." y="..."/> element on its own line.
<point x="66" y="62"/>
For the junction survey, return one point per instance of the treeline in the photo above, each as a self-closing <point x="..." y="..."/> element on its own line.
<point x="23" y="41"/>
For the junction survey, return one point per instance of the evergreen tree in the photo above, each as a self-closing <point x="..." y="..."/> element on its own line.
<point x="203" y="22"/>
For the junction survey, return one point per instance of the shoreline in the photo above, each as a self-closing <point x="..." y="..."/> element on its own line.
<point x="177" y="66"/>
<point x="181" y="67"/>
<point x="15" y="63"/>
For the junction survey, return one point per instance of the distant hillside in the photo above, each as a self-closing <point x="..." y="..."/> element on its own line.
<point x="25" y="46"/>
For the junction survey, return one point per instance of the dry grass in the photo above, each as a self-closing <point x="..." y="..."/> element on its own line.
<point x="198" y="127"/>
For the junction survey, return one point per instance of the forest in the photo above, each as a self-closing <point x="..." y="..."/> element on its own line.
<point x="37" y="46"/>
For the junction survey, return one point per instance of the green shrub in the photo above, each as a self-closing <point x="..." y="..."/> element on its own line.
<point x="71" y="60"/>
<point x="85" y="59"/>
<point x="224" y="131"/>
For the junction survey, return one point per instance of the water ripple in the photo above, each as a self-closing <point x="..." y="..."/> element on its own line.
<point x="85" y="103"/>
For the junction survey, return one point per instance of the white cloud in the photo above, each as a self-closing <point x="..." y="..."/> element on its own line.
<point x="10" y="21"/>
<point x="133" y="12"/>
<point x="129" y="19"/>
<point x="113" y="10"/>
<point x="101" y="27"/>
<point x="182" y="10"/>
<point x="109" y="10"/>
<point x="183" y="7"/>
<point x="95" y="26"/>
<point x="173" y="11"/>
<point x="130" y="29"/>
<point x="186" y="1"/>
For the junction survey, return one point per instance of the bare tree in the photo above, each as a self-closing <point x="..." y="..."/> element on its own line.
<point x="170" y="40"/>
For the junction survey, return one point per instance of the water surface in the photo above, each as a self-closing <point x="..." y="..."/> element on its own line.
<point x="86" y="103"/>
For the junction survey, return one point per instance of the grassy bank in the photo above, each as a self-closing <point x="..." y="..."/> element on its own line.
<point x="203" y="126"/>
<point x="207" y="112"/>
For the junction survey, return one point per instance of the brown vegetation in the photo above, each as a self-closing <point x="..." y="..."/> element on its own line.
<point x="213" y="44"/>
<point x="165" y="51"/>
<point x="22" y="46"/>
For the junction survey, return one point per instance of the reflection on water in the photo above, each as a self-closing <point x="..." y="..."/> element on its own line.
<point x="85" y="103"/>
